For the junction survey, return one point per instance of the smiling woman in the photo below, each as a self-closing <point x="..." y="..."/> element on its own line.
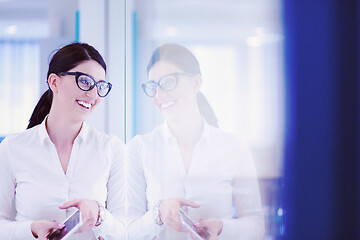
<point x="57" y="153"/>
<point x="188" y="165"/>
<point x="69" y="94"/>
<point x="66" y="59"/>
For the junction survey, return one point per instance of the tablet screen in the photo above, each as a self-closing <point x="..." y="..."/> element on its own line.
<point x="71" y="224"/>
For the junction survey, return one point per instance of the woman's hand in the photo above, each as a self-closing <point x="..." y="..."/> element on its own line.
<point x="89" y="212"/>
<point x="41" y="229"/>
<point x="170" y="212"/>
<point x="209" y="229"/>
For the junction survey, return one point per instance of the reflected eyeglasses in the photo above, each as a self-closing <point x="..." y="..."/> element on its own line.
<point x="85" y="82"/>
<point x="166" y="83"/>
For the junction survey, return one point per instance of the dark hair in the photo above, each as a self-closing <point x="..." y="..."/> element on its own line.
<point x="184" y="59"/>
<point x="206" y="110"/>
<point x="176" y="55"/>
<point x="63" y="60"/>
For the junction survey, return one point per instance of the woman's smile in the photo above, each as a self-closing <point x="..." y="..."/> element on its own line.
<point x="84" y="104"/>
<point x="166" y="105"/>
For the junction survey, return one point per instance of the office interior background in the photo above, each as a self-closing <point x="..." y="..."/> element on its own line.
<point x="253" y="55"/>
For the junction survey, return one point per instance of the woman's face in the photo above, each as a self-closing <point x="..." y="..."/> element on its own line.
<point x="74" y="102"/>
<point x="180" y="102"/>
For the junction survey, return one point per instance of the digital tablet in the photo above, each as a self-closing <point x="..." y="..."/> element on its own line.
<point x="190" y="226"/>
<point x="72" y="223"/>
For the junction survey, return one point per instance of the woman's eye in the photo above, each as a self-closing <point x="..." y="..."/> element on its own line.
<point x="85" y="81"/>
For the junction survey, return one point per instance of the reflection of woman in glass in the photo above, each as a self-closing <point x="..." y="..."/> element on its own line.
<point x="188" y="164"/>
<point x="61" y="162"/>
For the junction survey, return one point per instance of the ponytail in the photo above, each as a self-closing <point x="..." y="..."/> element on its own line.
<point x="41" y="110"/>
<point x="206" y="110"/>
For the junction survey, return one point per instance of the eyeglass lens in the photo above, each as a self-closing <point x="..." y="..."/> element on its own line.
<point x="167" y="83"/>
<point x="86" y="83"/>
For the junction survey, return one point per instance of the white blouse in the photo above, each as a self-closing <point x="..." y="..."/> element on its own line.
<point x="221" y="178"/>
<point x="33" y="182"/>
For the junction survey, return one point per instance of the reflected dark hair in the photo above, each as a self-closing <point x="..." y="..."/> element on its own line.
<point x="184" y="59"/>
<point x="63" y="60"/>
<point x="176" y="55"/>
<point x="206" y="110"/>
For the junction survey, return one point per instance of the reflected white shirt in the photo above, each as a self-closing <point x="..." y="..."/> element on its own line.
<point x="33" y="182"/>
<point x="221" y="175"/>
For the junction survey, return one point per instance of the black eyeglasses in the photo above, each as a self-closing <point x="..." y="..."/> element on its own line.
<point x="166" y="83"/>
<point x="85" y="82"/>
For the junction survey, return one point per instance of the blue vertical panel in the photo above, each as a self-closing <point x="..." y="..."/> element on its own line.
<point x="358" y="120"/>
<point x="308" y="103"/>
<point x="322" y="138"/>
<point x="77" y="26"/>
<point x="125" y="73"/>
<point x="347" y="151"/>
<point x="134" y="68"/>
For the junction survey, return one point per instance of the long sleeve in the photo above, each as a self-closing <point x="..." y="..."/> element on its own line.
<point x="140" y="219"/>
<point x="113" y="227"/>
<point x="249" y="224"/>
<point x="31" y="176"/>
<point x="9" y="229"/>
<point x="222" y="172"/>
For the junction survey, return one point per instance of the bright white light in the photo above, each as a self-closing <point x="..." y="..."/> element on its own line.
<point x="260" y="38"/>
<point x="257" y="39"/>
<point x="11" y="29"/>
<point x="254" y="41"/>
<point x="171" y="32"/>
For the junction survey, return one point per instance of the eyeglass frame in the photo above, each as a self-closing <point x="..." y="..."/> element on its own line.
<point x="176" y="75"/>
<point x="78" y="74"/>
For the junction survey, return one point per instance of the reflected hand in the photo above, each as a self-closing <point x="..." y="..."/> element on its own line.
<point x="89" y="212"/>
<point x="41" y="229"/>
<point x="170" y="212"/>
<point x="209" y="229"/>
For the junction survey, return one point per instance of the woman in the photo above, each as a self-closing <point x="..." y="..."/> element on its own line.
<point x="188" y="164"/>
<point x="60" y="163"/>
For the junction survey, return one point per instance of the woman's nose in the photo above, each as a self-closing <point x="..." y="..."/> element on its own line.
<point x="159" y="92"/>
<point x="92" y="93"/>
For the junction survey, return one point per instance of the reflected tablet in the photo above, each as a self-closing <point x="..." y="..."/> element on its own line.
<point x="72" y="223"/>
<point x="190" y="226"/>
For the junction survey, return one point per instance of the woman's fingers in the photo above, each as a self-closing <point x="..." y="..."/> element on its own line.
<point x="170" y="212"/>
<point x="57" y="225"/>
<point x="199" y="223"/>
<point x="185" y="202"/>
<point x="209" y="229"/>
<point x="42" y="228"/>
<point x="89" y="212"/>
<point x="72" y="203"/>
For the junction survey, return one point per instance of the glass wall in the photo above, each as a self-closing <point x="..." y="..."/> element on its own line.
<point x="239" y="47"/>
<point x="222" y="119"/>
